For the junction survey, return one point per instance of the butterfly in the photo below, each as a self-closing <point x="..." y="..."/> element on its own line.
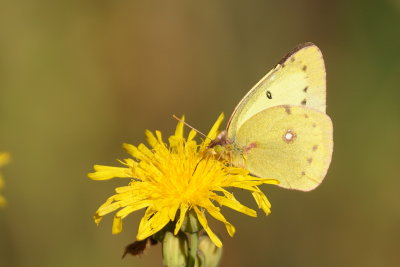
<point x="280" y="129"/>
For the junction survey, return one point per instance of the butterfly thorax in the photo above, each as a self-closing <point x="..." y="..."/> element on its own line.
<point x="221" y="146"/>
<point x="226" y="148"/>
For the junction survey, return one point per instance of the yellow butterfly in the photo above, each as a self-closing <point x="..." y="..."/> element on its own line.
<point x="279" y="129"/>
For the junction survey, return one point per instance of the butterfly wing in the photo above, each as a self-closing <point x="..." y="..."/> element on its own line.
<point x="298" y="79"/>
<point x="292" y="144"/>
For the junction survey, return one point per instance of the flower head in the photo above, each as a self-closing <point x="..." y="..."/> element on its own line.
<point x="4" y="159"/>
<point x="171" y="180"/>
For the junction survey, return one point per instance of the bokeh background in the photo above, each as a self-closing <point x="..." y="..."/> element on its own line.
<point x="79" y="78"/>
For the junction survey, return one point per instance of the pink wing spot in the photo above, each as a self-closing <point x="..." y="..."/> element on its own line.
<point x="289" y="136"/>
<point x="250" y="147"/>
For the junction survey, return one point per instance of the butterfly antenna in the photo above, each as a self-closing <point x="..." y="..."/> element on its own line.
<point x="191" y="127"/>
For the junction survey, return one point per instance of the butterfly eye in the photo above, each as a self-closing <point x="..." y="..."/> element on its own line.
<point x="269" y="95"/>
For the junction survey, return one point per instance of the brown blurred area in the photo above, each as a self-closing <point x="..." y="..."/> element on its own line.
<point x="79" y="78"/>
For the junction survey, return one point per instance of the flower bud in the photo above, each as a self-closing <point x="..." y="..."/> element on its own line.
<point x="212" y="254"/>
<point x="191" y="224"/>
<point x="175" y="249"/>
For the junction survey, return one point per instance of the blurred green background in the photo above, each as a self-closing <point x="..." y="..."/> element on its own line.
<point x="79" y="78"/>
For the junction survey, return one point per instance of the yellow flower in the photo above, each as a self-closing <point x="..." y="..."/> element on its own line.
<point x="4" y="159"/>
<point x="170" y="180"/>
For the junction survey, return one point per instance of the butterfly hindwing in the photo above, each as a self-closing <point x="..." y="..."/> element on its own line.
<point x="292" y="144"/>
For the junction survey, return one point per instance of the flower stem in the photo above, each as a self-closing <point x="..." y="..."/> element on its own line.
<point x="194" y="243"/>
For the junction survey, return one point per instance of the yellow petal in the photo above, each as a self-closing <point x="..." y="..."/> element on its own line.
<point x="262" y="202"/>
<point x="132" y="150"/>
<point x="145" y="151"/>
<point x="159" y="137"/>
<point x="183" y="209"/>
<point x="123" y="189"/>
<point x="107" y="172"/>
<point x="117" y="225"/>
<point x="150" y="225"/>
<point x="192" y="134"/>
<point x="160" y="144"/>
<point x="214" y="211"/>
<point x="212" y="134"/>
<point x="147" y="215"/>
<point x="129" y="162"/>
<point x="105" y="209"/>
<point x="172" y="211"/>
<point x="151" y="139"/>
<point x="235" y="205"/>
<point x="141" y="152"/>
<point x="97" y="218"/>
<point x="131" y="208"/>
<point x="179" y="128"/>
<point x="210" y="233"/>
<point x="108" y="202"/>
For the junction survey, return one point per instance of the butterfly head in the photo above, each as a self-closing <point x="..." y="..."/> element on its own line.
<point x="221" y="140"/>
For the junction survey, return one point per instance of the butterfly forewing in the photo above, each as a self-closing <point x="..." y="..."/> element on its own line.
<point x="298" y="79"/>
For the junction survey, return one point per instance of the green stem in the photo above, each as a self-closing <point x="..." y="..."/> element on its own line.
<point x="194" y="243"/>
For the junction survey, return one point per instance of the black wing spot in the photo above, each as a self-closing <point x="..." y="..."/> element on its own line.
<point x="309" y="160"/>
<point x="269" y="95"/>
<point x="303" y="173"/>
<point x="305" y="89"/>
<point x="287" y="109"/>
<point x="304" y="102"/>
<point x="296" y="49"/>
<point x="304" y="68"/>
<point x="314" y="148"/>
